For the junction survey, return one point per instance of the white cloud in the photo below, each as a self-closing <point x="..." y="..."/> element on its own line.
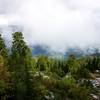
<point x="3" y="20"/>
<point x="57" y="23"/>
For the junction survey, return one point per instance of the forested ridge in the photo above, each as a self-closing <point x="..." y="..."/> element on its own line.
<point x="25" y="77"/>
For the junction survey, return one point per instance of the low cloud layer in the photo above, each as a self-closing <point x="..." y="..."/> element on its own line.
<point x="56" y="23"/>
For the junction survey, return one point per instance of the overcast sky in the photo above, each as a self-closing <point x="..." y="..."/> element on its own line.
<point x="56" y="23"/>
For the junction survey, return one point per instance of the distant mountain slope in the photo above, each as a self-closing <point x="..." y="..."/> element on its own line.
<point x="78" y="52"/>
<point x="40" y="50"/>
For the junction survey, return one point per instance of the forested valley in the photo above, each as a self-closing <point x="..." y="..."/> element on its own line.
<point x="25" y="77"/>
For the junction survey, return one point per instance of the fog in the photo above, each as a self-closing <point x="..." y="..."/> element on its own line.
<point x="56" y="23"/>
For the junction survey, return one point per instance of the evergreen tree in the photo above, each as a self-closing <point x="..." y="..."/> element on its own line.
<point x="4" y="80"/>
<point x="73" y="64"/>
<point x="3" y="49"/>
<point x="21" y="67"/>
<point x="42" y="63"/>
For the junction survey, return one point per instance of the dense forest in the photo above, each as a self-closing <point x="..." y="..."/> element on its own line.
<point x="25" y="77"/>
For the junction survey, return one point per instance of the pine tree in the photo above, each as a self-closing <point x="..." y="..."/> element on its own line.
<point x="42" y="63"/>
<point x="3" y="49"/>
<point x="21" y="67"/>
<point x="4" y="80"/>
<point x="73" y="64"/>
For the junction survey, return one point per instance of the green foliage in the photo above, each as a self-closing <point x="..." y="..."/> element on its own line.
<point x="68" y="81"/>
<point x="73" y="64"/>
<point x="79" y="93"/>
<point x="56" y="67"/>
<point x="93" y="63"/>
<point x="83" y="73"/>
<point x="21" y="67"/>
<point x="25" y="77"/>
<point x="42" y="63"/>
<point x="3" y="49"/>
<point x="4" y="79"/>
<point x="2" y="87"/>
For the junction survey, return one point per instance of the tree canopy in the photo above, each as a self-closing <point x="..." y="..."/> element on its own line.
<point x="25" y="77"/>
